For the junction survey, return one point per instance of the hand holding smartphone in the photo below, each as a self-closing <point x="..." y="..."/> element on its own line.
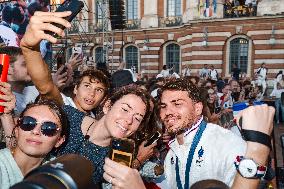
<point x="122" y="151"/>
<point x="74" y="6"/>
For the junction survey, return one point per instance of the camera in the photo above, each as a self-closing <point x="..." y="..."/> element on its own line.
<point x="62" y="173"/>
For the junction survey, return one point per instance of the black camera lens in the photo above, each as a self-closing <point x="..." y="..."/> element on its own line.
<point x="60" y="174"/>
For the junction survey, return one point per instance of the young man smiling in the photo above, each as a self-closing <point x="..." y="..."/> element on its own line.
<point x="203" y="150"/>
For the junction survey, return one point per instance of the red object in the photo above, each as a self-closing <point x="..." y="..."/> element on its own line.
<point x="151" y="185"/>
<point x="4" y="66"/>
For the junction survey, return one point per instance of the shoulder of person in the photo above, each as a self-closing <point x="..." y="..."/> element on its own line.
<point x="228" y="143"/>
<point x="223" y="134"/>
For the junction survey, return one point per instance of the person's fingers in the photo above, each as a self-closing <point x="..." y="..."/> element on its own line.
<point x="78" y="55"/>
<point x="59" y="70"/>
<point x="62" y="76"/>
<point x="143" y="143"/>
<point x="52" y="28"/>
<point x="58" y="14"/>
<point x="6" y="91"/>
<point x="6" y="97"/>
<point x="61" y="83"/>
<point x="5" y="85"/>
<point x="112" y="180"/>
<point x="107" y="177"/>
<point x="237" y="118"/>
<point x="49" y="19"/>
<point x="48" y="37"/>
<point x="115" y="169"/>
<point x="153" y="145"/>
<point x="110" y="168"/>
<point x="72" y="56"/>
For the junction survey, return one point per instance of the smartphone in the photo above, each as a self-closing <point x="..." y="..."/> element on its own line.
<point x="77" y="50"/>
<point x="122" y="151"/>
<point x="74" y="6"/>
<point x="60" y="61"/>
<point x="217" y="110"/>
<point x="154" y="138"/>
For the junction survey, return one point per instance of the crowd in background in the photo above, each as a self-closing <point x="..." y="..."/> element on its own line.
<point x="82" y="113"/>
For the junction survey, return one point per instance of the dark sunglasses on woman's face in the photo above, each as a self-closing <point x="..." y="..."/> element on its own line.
<point x="48" y="128"/>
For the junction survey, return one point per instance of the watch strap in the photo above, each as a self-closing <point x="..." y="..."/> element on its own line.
<point x="256" y="136"/>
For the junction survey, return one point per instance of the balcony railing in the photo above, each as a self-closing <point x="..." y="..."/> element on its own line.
<point x="84" y="26"/>
<point x="133" y="24"/>
<point x="239" y="11"/>
<point x="170" y="21"/>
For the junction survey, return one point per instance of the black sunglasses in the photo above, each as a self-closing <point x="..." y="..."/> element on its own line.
<point x="48" y="128"/>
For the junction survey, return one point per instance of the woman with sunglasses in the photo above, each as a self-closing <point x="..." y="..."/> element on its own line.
<point x="125" y="110"/>
<point x="40" y="129"/>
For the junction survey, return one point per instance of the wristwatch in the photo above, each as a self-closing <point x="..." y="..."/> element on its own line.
<point x="248" y="168"/>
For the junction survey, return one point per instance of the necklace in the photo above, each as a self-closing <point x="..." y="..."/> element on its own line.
<point x="87" y="137"/>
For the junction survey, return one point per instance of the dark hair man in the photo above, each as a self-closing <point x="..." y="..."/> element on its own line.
<point x="202" y="150"/>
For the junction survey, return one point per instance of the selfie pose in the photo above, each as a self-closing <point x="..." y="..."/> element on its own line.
<point x="125" y="111"/>
<point x="203" y="150"/>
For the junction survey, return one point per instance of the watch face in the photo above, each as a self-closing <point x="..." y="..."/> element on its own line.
<point x="248" y="168"/>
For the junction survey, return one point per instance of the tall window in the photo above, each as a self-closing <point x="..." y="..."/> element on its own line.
<point x="99" y="12"/>
<point x="131" y="57"/>
<point x="99" y="55"/>
<point x="174" y="8"/>
<point x="239" y="54"/>
<point x="173" y="56"/>
<point x="132" y="9"/>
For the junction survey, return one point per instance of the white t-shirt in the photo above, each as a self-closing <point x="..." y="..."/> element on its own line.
<point x="248" y="2"/>
<point x="30" y="93"/>
<point x="262" y="73"/>
<point x="213" y="74"/>
<point x="279" y="77"/>
<point x="9" y="37"/>
<point x="165" y="73"/>
<point x="175" y="75"/>
<point x="186" y="72"/>
<point x="219" y="149"/>
<point x="203" y="72"/>
<point x="277" y="93"/>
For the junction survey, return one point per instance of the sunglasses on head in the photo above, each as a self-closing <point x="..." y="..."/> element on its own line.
<point x="48" y="128"/>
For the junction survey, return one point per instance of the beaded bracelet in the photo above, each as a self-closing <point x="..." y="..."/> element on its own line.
<point x="9" y="136"/>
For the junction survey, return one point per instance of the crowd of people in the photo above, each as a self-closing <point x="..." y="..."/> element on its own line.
<point x="204" y="142"/>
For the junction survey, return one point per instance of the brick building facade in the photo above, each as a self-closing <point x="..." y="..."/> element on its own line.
<point x="158" y="35"/>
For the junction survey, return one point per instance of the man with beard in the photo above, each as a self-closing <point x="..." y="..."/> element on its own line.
<point x="201" y="150"/>
<point x="218" y="153"/>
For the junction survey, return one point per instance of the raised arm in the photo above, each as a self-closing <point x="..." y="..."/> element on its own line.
<point x="37" y="68"/>
<point x="256" y="118"/>
<point x="8" y="101"/>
